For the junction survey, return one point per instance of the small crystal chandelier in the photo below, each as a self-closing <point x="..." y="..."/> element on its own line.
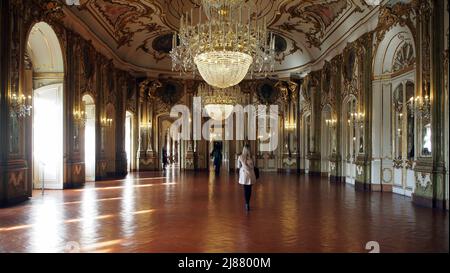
<point x="219" y="103"/>
<point x="21" y="106"/>
<point x="225" y="48"/>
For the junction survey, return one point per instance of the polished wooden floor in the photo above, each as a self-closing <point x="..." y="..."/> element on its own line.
<point x="200" y="213"/>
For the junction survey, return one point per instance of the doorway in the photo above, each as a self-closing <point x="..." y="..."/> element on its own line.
<point x="44" y="57"/>
<point x="89" y="138"/>
<point x="48" y="137"/>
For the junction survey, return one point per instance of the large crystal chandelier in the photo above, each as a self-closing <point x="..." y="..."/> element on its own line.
<point x="219" y="103"/>
<point x="226" y="47"/>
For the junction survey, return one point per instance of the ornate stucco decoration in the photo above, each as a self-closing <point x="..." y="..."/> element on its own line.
<point x="131" y="94"/>
<point x="423" y="180"/>
<point x="307" y="18"/>
<point x="168" y="94"/>
<point x="124" y="19"/>
<point x="327" y="96"/>
<point x="267" y="93"/>
<point x="87" y="54"/>
<point x="139" y="32"/>
<point x="309" y="83"/>
<point x="288" y="91"/>
<point x="401" y="13"/>
<point x="148" y="87"/>
<point x="404" y="57"/>
<point x="352" y="67"/>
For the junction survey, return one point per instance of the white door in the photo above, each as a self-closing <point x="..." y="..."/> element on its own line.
<point x="48" y="137"/>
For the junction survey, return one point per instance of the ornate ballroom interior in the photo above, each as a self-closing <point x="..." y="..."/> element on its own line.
<point x="86" y="90"/>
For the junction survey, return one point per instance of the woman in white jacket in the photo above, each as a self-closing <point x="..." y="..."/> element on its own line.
<point x="247" y="175"/>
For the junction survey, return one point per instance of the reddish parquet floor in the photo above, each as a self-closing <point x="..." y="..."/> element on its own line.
<point x="200" y="213"/>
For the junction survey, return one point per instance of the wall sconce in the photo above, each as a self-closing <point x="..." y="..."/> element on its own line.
<point x="21" y="106"/>
<point x="106" y="122"/>
<point x="358" y="119"/>
<point x="146" y="127"/>
<point x="421" y="105"/>
<point x="79" y="117"/>
<point x="290" y="126"/>
<point x="331" y="123"/>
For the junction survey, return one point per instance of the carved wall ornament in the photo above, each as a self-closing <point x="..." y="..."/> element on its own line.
<point x="349" y="64"/>
<point x="267" y="93"/>
<point x="359" y="170"/>
<point x="309" y="83"/>
<point x="27" y="61"/>
<point x="288" y="91"/>
<point x="88" y="61"/>
<point x="404" y="57"/>
<point x="423" y="180"/>
<point x="167" y="95"/>
<point x="148" y="87"/>
<point x="353" y="57"/>
<point x="387" y="176"/>
<point x="328" y="86"/>
<point x="401" y="13"/>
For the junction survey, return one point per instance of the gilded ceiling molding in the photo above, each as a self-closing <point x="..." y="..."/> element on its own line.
<point x="307" y="17"/>
<point x="403" y="14"/>
<point x="123" y="19"/>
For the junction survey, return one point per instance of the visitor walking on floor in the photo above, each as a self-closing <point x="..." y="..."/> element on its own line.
<point x="247" y="175"/>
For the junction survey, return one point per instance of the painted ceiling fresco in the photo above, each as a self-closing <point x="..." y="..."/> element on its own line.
<point x="140" y="31"/>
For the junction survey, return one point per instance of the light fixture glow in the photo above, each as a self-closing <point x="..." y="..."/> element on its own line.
<point x="223" y="69"/>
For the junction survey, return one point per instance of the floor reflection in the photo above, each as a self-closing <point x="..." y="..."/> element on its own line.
<point x="198" y="212"/>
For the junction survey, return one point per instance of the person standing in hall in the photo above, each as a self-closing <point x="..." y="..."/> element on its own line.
<point x="247" y="175"/>
<point x="165" y="160"/>
<point x="217" y="157"/>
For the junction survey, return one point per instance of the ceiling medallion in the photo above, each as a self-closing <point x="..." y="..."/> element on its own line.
<point x="226" y="47"/>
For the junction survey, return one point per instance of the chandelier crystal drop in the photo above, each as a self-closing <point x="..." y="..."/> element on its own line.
<point x="226" y="47"/>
